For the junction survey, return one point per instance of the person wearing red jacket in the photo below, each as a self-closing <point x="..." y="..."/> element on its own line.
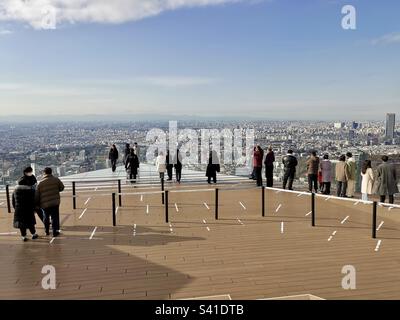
<point x="257" y="163"/>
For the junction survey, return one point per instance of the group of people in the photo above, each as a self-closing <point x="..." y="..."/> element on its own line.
<point x="319" y="174"/>
<point x="113" y="155"/>
<point x="43" y="198"/>
<point x="164" y="164"/>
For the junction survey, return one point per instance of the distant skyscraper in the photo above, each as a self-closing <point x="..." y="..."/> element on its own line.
<point x="338" y="125"/>
<point x="354" y="125"/>
<point x="390" y="123"/>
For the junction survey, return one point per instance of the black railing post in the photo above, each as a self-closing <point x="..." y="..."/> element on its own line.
<point x="216" y="203"/>
<point x="73" y="195"/>
<point x="374" y="206"/>
<point x="263" y="201"/>
<point x="313" y="209"/>
<point x="166" y="206"/>
<point x="8" y="198"/>
<point x="162" y="189"/>
<point x="113" y="210"/>
<point x="119" y="193"/>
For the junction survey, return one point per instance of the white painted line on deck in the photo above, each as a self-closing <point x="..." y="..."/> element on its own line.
<point x="134" y="230"/>
<point x="52" y="240"/>
<point x="278" y="191"/>
<point x="176" y="208"/>
<point x="83" y="212"/>
<point x="208" y="208"/>
<point x="330" y="238"/>
<point x="328" y="198"/>
<point x="380" y="225"/>
<point x="141" y="197"/>
<point x="204" y="221"/>
<point x="116" y="210"/>
<point x="307" y="214"/>
<point x="282" y="227"/>
<point x="240" y="221"/>
<point x="242" y="205"/>
<point x="208" y="229"/>
<point x="356" y="203"/>
<point x="94" y="231"/>
<point x="147" y="209"/>
<point x="277" y="209"/>
<point x="334" y="232"/>
<point x="87" y="201"/>
<point x="390" y="208"/>
<point x="95" y="189"/>
<point x="1" y="203"/>
<point x="344" y="220"/>
<point x="378" y="245"/>
<point x="8" y="233"/>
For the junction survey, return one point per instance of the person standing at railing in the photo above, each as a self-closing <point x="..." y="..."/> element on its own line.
<point x="342" y="173"/>
<point x="367" y="180"/>
<point x="269" y="167"/>
<point x="213" y="167"/>
<point x="161" y="165"/>
<point x="48" y="198"/>
<point x="132" y="165"/>
<point x="170" y="166"/>
<point x="312" y="171"/>
<point x="326" y="171"/>
<point x="23" y="201"/>
<point x="352" y="168"/>
<point x="386" y="181"/>
<point x="127" y="152"/>
<point x="178" y="166"/>
<point x="289" y="163"/>
<point x="257" y="163"/>
<point x="113" y="156"/>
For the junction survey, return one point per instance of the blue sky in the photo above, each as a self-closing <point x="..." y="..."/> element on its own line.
<point x="279" y="59"/>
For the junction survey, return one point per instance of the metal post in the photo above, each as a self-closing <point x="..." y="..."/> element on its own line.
<point x="216" y="203"/>
<point x="166" y="206"/>
<point x="73" y="195"/>
<point x="113" y="210"/>
<point x="263" y="201"/>
<point x="8" y="198"/>
<point x="119" y="193"/>
<point x="313" y="209"/>
<point x="374" y="206"/>
<point x="162" y="189"/>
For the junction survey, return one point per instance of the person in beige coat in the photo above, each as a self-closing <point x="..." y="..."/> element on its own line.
<point x="367" y="180"/>
<point x="342" y="176"/>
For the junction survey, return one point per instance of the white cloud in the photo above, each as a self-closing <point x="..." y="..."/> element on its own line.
<point x="46" y="14"/>
<point x="4" y="32"/>
<point x="176" y="81"/>
<point x="387" y="39"/>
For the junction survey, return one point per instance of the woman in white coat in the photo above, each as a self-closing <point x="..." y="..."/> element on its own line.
<point x="161" y="165"/>
<point x="367" y="180"/>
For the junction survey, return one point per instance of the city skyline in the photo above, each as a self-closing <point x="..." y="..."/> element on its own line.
<point x="252" y="59"/>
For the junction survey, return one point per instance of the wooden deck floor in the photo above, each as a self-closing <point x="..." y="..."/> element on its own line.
<point x="240" y="256"/>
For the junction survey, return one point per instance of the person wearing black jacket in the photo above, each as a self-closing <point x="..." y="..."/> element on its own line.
<point x="113" y="156"/>
<point x="178" y="166"/>
<point x="132" y="165"/>
<point x="269" y="167"/>
<point x="289" y="162"/>
<point x="213" y="167"/>
<point x="23" y="201"/>
<point x="170" y="166"/>
<point x="127" y="152"/>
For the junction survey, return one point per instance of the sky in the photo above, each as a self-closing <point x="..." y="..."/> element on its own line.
<point x="268" y="59"/>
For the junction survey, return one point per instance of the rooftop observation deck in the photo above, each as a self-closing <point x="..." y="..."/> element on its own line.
<point x="242" y="255"/>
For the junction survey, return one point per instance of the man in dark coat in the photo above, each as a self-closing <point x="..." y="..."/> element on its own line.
<point x="257" y="163"/>
<point x="289" y="163"/>
<point x="170" y="165"/>
<point x="127" y="152"/>
<point x="386" y="181"/>
<point x="113" y="156"/>
<point x="178" y="166"/>
<point x="132" y="165"/>
<point x="213" y="167"/>
<point x="48" y="199"/>
<point x="23" y="201"/>
<point x="312" y="171"/>
<point x="269" y="167"/>
<point x="30" y="180"/>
